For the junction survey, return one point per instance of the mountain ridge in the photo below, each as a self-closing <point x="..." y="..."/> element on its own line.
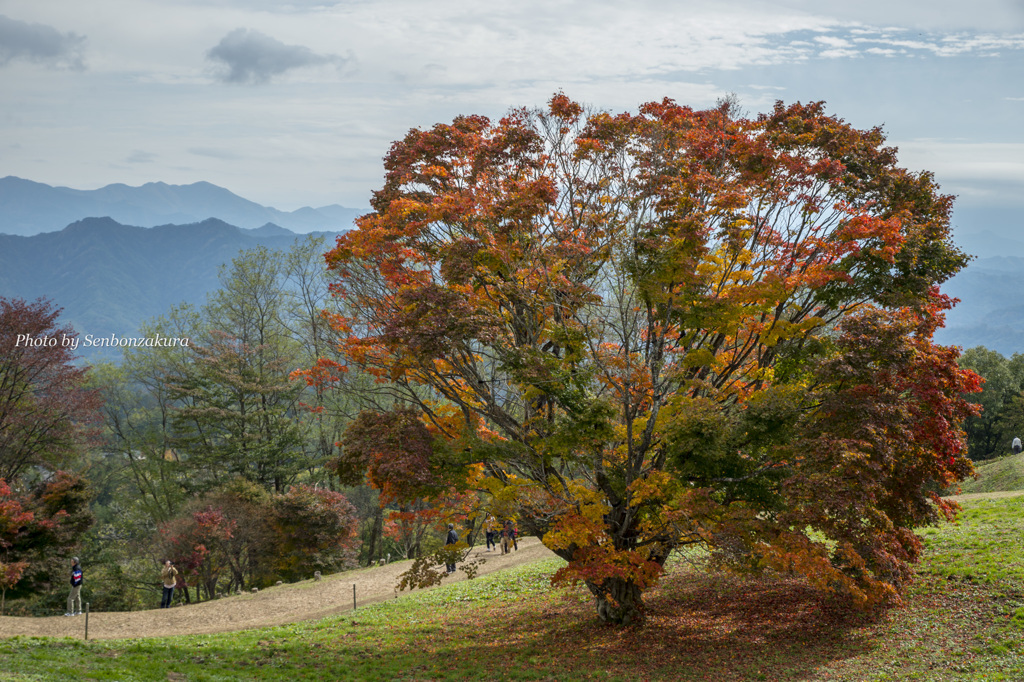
<point x="28" y="208"/>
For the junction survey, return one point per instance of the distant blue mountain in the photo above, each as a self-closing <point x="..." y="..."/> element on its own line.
<point x="991" y="308"/>
<point x="109" y="277"/>
<point x="28" y="208"/>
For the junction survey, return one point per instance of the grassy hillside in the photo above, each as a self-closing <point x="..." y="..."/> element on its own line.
<point x="964" y="621"/>
<point x="1004" y="473"/>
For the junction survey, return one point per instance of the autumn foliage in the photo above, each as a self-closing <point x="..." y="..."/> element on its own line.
<point x="46" y="413"/>
<point x="38" y="523"/>
<point x="241" y="535"/>
<point x="667" y="328"/>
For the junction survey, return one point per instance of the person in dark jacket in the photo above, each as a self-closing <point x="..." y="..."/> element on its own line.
<point x="490" y="528"/>
<point x="452" y="539"/>
<point x="75" y="596"/>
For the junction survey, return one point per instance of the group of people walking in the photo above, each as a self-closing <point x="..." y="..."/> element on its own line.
<point x="506" y="534"/>
<point x="494" y="531"/>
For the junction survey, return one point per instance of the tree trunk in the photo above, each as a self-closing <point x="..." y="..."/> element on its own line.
<point x="618" y="601"/>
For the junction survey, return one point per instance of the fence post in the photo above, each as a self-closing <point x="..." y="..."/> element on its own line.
<point x="353" y="596"/>
<point x="86" y="620"/>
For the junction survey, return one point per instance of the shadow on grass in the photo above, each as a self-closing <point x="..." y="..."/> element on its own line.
<point x="699" y="627"/>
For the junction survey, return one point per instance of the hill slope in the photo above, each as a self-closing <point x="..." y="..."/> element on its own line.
<point x="1004" y="473"/>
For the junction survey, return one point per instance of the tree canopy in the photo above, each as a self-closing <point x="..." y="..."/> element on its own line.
<point x="669" y="328"/>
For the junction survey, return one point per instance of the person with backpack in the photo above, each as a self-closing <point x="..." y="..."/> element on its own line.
<point x="452" y="539"/>
<point x="75" y="596"/>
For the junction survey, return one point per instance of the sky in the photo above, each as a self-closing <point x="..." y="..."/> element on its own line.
<point x="295" y="104"/>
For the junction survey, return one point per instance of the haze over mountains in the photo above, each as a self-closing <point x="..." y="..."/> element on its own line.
<point x="117" y="256"/>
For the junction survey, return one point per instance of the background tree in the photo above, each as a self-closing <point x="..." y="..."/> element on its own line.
<point x="990" y="433"/>
<point x="656" y="314"/>
<point x="10" y="574"/>
<point x="422" y="488"/>
<point x="305" y="287"/>
<point x="242" y="535"/>
<point x="14" y="521"/>
<point x="317" y="530"/>
<point x="238" y="412"/>
<point x="46" y="414"/>
<point x="39" y="524"/>
<point x="238" y="415"/>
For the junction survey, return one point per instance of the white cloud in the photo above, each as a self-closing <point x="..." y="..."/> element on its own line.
<point x="833" y="41"/>
<point x="993" y="171"/>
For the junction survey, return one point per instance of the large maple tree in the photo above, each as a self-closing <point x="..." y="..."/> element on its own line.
<point x="669" y="328"/>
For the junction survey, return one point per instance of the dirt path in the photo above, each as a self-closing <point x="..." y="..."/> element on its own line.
<point x="306" y="600"/>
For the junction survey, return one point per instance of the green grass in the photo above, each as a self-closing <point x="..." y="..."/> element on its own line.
<point x="964" y="621"/>
<point x="1004" y="473"/>
<point x="984" y="547"/>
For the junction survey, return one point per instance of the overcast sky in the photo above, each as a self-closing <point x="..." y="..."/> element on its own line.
<point x="292" y="104"/>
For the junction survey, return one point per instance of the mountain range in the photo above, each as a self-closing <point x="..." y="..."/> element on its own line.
<point x="28" y="208"/>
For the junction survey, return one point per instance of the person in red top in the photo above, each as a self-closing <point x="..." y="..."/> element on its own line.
<point x="75" y="596"/>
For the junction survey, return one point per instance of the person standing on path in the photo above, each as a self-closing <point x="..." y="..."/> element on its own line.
<point x="75" y="596"/>
<point x="489" y="527"/>
<point x="169" y="575"/>
<point x="452" y="538"/>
